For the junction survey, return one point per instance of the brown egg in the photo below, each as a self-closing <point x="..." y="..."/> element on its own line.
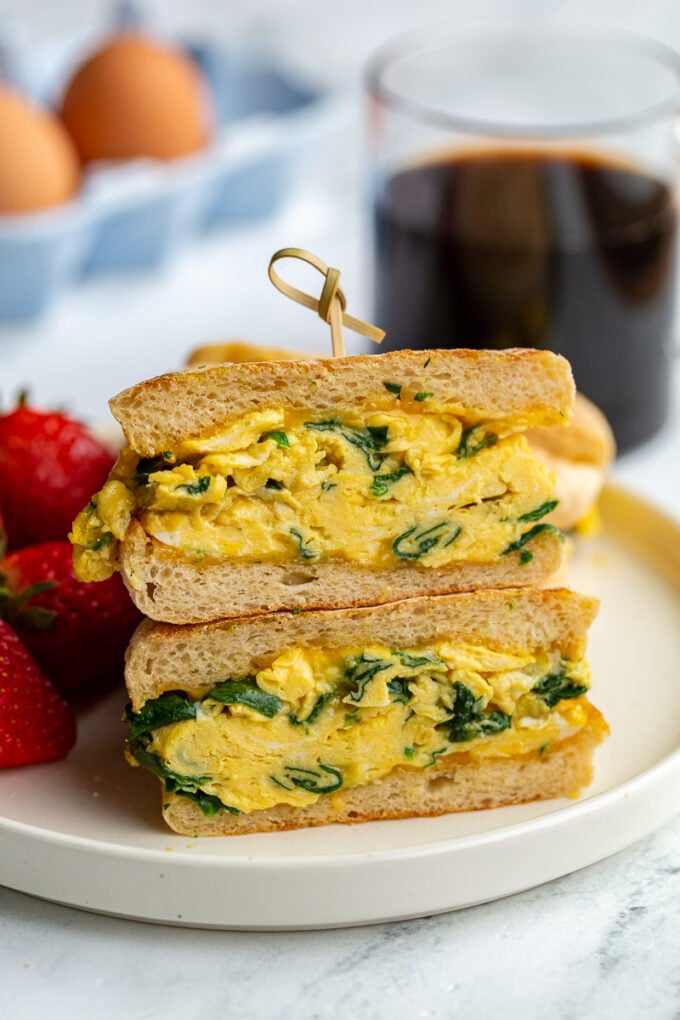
<point x="39" y="166"/>
<point x="135" y="97"/>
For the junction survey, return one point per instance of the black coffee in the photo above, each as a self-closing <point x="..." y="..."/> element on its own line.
<point x="527" y="250"/>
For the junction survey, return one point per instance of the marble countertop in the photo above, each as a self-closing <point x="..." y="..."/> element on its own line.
<point x="602" y="942"/>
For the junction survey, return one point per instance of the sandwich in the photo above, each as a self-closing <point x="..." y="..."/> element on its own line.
<point x="579" y="456"/>
<point x="419" y="707"/>
<point x="328" y="483"/>
<point x="579" y="453"/>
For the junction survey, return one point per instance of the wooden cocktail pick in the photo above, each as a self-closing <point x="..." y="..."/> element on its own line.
<point x="330" y="306"/>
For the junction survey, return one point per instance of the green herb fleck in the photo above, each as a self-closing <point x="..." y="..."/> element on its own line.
<point x="422" y="396"/>
<point x="393" y="388"/>
<point x="409" y="752"/>
<point x="427" y="362"/>
<point x="544" y="748"/>
<point x="350" y="719"/>
<point x="327" y="486"/>
<point x="272" y="483"/>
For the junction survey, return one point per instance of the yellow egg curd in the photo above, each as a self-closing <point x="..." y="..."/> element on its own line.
<point x="316" y="720"/>
<point x="402" y="483"/>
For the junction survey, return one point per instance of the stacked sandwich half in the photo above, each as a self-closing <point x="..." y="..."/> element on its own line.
<point x="340" y="562"/>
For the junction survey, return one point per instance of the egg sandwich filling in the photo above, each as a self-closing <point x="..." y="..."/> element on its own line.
<point x="397" y="482"/>
<point x="316" y="720"/>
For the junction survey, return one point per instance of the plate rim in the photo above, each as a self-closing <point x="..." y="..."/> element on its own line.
<point x="654" y="791"/>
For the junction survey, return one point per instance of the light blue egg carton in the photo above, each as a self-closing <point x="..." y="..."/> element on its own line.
<point x="135" y="215"/>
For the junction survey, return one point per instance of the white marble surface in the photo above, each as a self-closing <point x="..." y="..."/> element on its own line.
<point x="602" y="943"/>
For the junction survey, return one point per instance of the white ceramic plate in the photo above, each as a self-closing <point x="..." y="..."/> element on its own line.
<point x="87" y="831"/>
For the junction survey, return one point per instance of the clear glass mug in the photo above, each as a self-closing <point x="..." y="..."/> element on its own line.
<point x="524" y="182"/>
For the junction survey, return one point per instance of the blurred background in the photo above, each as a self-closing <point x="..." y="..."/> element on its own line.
<point x="103" y="322"/>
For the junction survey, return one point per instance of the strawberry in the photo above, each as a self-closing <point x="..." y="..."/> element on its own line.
<point x="49" y="467"/>
<point x="76" y="632"/>
<point x="35" y="723"/>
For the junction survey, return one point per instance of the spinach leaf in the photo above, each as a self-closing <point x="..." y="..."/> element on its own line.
<point x="370" y="440"/>
<point x="148" y="465"/>
<point x="197" y="488"/>
<point x="556" y="687"/>
<point x="361" y="670"/>
<point x="280" y="438"/>
<point x="468" y="720"/>
<point x="416" y="661"/>
<point x="304" y="549"/>
<point x="381" y="483"/>
<point x="468" y="447"/>
<point x="415" y="542"/>
<point x="312" y="780"/>
<point x="319" y="705"/>
<point x="246" y="692"/>
<point x="173" y="780"/>
<point x="398" y="688"/>
<point x="434" y="756"/>
<point x="525" y="555"/>
<point x="208" y="804"/>
<point x="540" y="511"/>
<point x="100" y="542"/>
<point x="169" y="708"/>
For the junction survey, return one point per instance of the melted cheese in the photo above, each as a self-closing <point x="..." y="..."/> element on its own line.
<point x="349" y="716"/>
<point x="375" y="487"/>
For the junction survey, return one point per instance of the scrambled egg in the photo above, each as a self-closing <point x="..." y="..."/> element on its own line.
<point x="316" y="720"/>
<point x="404" y="482"/>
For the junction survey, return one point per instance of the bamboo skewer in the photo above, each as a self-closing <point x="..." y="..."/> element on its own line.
<point x="330" y="306"/>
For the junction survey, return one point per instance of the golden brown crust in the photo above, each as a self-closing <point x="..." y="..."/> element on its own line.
<point x="239" y="352"/>
<point x="165" y="585"/>
<point x="193" y="658"/>
<point x="489" y="385"/>
<point x="588" y="439"/>
<point x="454" y="783"/>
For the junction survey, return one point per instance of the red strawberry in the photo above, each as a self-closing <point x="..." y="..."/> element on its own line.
<point x="49" y="467"/>
<point x="35" y="723"/>
<point x="3" y="536"/>
<point x="76" y="632"/>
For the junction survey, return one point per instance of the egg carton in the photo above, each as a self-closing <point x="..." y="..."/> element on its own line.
<point x="134" y="215"/>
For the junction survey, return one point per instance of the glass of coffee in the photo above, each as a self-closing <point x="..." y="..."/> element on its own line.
<point x="524" y="182"/>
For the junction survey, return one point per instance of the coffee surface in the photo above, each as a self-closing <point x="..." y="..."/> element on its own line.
<point x="506" y="249"/>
